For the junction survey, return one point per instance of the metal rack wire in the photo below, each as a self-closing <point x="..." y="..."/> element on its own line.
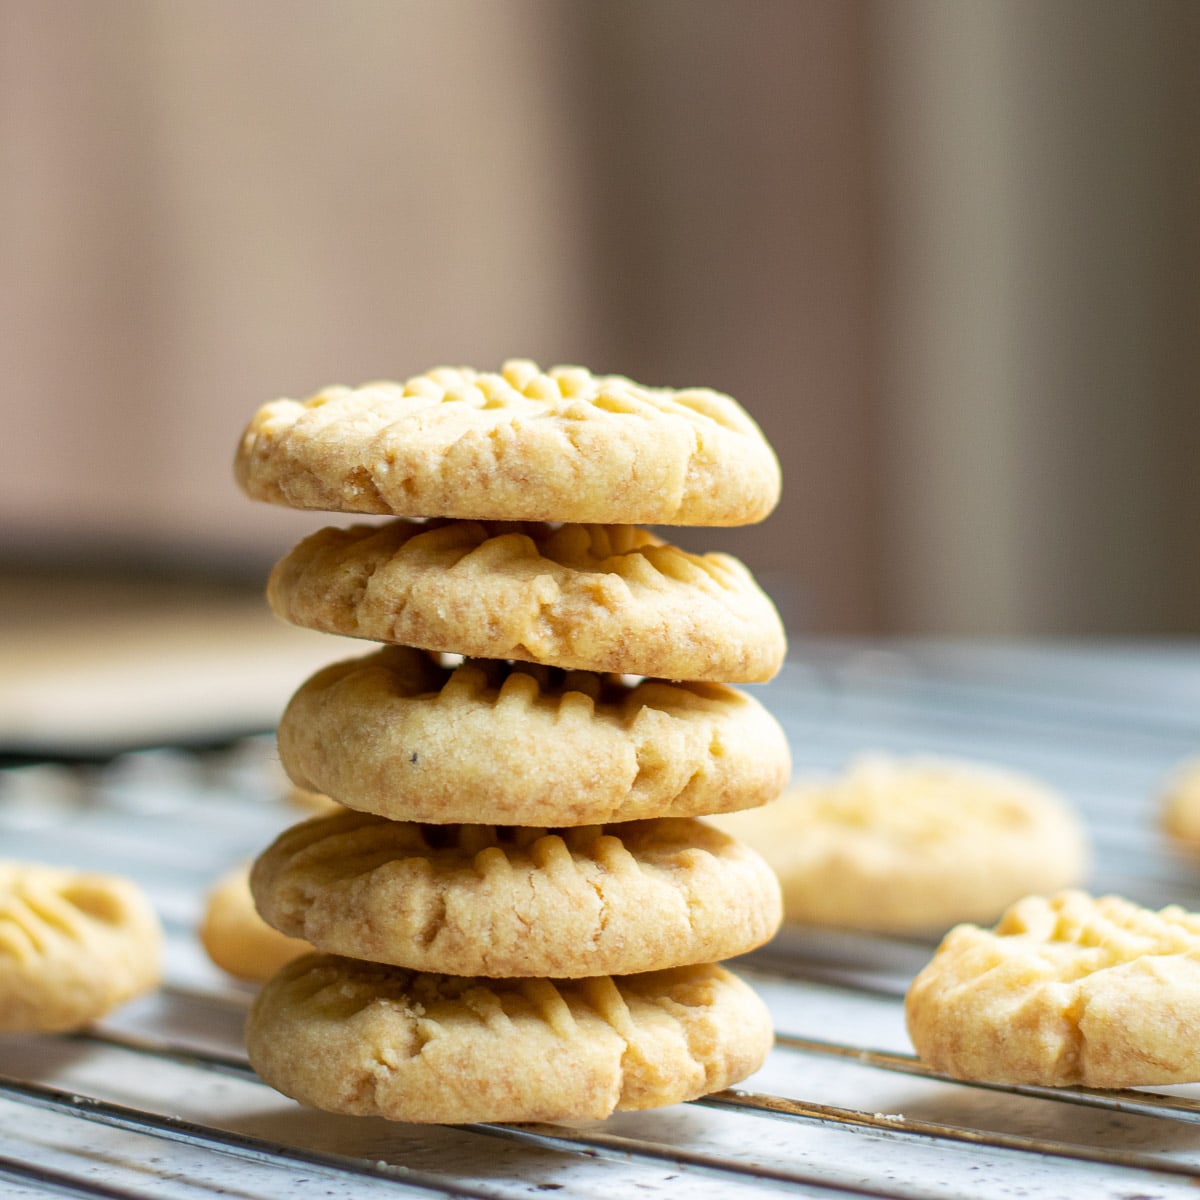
<point x="159" y="1100"/>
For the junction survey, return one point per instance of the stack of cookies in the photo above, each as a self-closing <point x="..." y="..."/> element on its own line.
<point x="516" y="912"/>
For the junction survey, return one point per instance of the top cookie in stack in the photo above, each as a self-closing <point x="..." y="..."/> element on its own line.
<point x="520" y="445"/>
<point x="515" y="498"/>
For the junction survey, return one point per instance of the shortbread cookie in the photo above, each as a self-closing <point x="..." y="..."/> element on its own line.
<point x="371" y="1040"/>
<point x="1065" y="991"/>
<point x="237" y="939"/>
<point x="501" y="902"/>
<point x="1181" y="804"/>
<point x="398" y="734"/>
<point x="566" y="445"/>
<point x="583" y="597"/>
<point x="914" y="845"/>
<point x="73" y="945"/>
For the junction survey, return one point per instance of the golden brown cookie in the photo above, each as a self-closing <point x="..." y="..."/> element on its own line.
<point x="592" y="598"/>
<point x="237" y="939"/>
<point x="913" y="845"/>
<point x="398" y="734"/>
<point x="1069" y="990"/>
<point x="565" y="445"/>
<point x="1181" y="804"/>
<point x="371" y="1040"/>
<point x="315" y="803"/>
<point x="501" y="902"/>
<point x="73" y="945"/>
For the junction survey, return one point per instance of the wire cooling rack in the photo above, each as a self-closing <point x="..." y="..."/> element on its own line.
<point x="159" y="1101"/>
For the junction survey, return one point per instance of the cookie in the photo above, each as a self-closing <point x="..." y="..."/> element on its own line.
<point x="509" y="901"/>
<point x="237" y="939"/>
<point x="592" y="598"/>
<point x="73" y="946"/>
<point x="1181" y="804"/>
<point x="519" y="445"/>
<point x="1069" y="990"/>
<point x="313" y="801"/>
<point x="914" y="845"/>
<point x="372" y="1040"/>
<point x="398" y="734"/>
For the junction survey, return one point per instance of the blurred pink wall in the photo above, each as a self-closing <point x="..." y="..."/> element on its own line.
<point x="945" y="253"/>
<point x="208" y="205"/>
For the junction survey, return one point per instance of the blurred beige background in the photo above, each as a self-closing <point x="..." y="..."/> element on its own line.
<point x="946" y="253"/>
